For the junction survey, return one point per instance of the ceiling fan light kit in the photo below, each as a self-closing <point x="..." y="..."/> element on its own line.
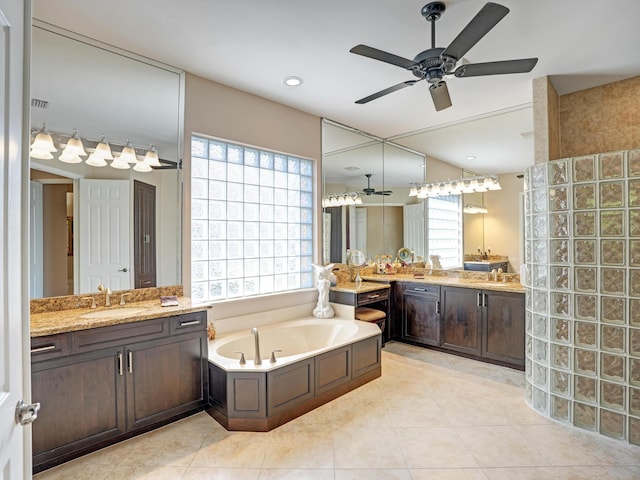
<point x="435" y="63"/>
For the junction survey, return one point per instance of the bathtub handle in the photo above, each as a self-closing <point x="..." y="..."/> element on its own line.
<point x="242" y="359"/>
<point x="273" y="356"/>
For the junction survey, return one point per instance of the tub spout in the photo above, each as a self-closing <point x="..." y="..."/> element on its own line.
<point x="257" y="359"/>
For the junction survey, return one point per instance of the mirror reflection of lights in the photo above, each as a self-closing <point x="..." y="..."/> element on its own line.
<point x="481" y="183"/>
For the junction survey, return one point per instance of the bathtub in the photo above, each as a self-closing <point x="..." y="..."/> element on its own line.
<point x="297" y="340"/>
<point x="320" y="360"/>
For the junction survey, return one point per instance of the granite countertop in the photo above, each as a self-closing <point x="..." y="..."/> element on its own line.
<point x="515" y="287"/>
<point x="63" y="321"/>
<point x="350" y="287"/>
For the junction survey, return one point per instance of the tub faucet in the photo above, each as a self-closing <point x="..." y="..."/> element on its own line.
<point x="257" y="360"/>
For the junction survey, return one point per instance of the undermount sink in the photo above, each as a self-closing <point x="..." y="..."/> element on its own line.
<point x="114" y="312"/>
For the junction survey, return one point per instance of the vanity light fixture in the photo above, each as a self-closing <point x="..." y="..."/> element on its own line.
<point x="128" y="154"/>
<point x="292" y="81"/>
<point x="142" y="166"/>
<point x="473" y="209"/>
<point x="480" y="183"/>
<point x="151" y="157"/>
<point x="103" y="149"/>
<point x="75" y="146"/>
<point x="341" y="199"/>
<point x="42" y="146"/>
<point x="96" y="160"/>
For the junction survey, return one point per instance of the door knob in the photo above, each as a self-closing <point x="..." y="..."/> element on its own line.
<point x="123" y="270"/>
<point x="26" y="414"/>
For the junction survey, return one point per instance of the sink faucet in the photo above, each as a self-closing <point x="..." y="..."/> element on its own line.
<point x="257" y="360"/>
<point x="494" y="275"/>
<point x="107" y="294"/>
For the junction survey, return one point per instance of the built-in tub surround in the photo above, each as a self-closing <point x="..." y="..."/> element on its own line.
<point x="582" y="248"/>
<point x="305" y="363"/>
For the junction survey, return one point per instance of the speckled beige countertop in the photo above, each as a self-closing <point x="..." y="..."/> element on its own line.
<point x="63" y="321"/>
<point x="373" y="282"/>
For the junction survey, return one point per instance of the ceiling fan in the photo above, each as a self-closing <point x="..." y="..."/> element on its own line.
<point x="373" y="191"/>
<point x="433" y="64"/>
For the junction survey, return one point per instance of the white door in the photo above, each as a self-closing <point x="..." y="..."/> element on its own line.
<point x="15" y="440"/>
<point x="104" y="242"/>
<point x="36" y="268"/>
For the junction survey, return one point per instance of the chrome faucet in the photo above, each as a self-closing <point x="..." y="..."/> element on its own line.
<point x="107" y="294"/>
<point x="257" y="359"/>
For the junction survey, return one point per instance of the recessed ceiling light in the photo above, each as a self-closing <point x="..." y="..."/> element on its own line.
<point x="292" y="81"/>
<point x="352" y="169"/>
<point x="471" y="157"/>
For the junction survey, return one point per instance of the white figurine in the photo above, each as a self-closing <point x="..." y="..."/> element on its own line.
<point x="323" y="277"/>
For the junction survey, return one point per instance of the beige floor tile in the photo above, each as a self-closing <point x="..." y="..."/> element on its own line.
<point x="204" y="473"/>
<point x="434" y="448"/>
<point x="415" y="412"/>
<point x="371" y="447"/>
<point x="563" y="473"/>
<point x="295" y="474"/>
<point x="500" y="446"/>
<point x="448" y="474"/>
<point x="76" y="470"/>
<point x="137" y="472"/>
<point x="299" y="450"/>
<point x="381" y="474"/>
<point x="565" y="445"/>
<point x="232" y="450"/>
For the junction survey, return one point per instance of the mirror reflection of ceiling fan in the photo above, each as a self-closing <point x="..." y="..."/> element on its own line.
<point x="373" y="191"/>
<point x="435" y="63"/>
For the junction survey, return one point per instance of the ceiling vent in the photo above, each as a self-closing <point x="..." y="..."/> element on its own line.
<point x="37" y="103"/>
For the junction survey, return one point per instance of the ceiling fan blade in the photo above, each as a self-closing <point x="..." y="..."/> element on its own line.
<point x="386" y="91"/>
<point x="478" y="27"/>
<point x="440" y="95"/>
<point x="387" y="57"/>
<point x="383" y="192"/>
<point x="521" y="65"/>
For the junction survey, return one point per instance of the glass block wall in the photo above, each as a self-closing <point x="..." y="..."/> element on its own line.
<point x="582" y="248"/>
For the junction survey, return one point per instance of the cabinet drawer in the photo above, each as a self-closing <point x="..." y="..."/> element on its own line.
<point x="422" y="288"/>
<point x="50" y="346"/>
<point x="103" y="337"/>
<point x="374" y="296"/>
<point x="189" y="322"/>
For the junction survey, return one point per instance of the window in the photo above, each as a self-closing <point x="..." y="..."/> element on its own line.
<point x="251" y="221"/>
<point x="444" y="230"/>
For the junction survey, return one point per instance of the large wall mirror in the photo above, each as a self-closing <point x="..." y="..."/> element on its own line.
<point x="381" y="174"/>
<point x="79" y="83"/>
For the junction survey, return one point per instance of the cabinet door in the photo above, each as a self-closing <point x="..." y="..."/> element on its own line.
<point x="462" y="317"/>
<point x="165" y="378"/>
<point x="420" y="316"/>
<point x="503" y="332"/>
<point x="81" y="402"/>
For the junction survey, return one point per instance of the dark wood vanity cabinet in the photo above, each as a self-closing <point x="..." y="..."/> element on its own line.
<point x="503" y="329"/>
<point x="420" y="313"/>
<point x="484" y="323"/>
<point x="461" y="319"/>
<point x="101" y="385"/>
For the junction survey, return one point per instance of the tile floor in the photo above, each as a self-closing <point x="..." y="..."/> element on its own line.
<point x="430" y="416"/>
